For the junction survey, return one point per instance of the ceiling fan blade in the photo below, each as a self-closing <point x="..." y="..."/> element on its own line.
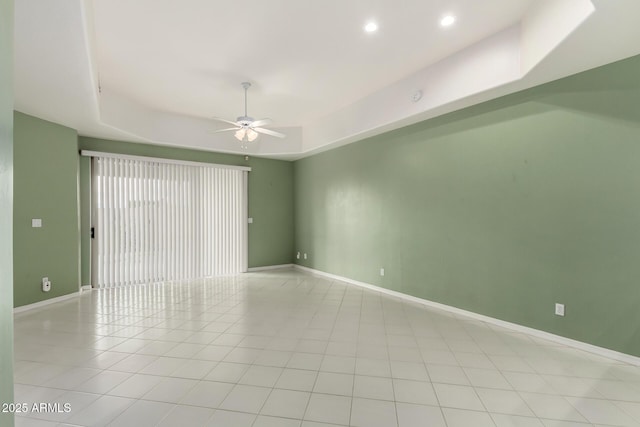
<point x="225" y="121"/>
<point x="269" y="132"/>
<point x="224" y="130"/>
<point x="261" y="122"/>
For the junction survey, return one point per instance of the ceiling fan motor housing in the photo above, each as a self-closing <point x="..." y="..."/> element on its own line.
<point x="244" y="121"/>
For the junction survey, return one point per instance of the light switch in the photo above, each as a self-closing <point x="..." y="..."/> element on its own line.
<point x="36" y="223"/>
<point x="250" y="220"/>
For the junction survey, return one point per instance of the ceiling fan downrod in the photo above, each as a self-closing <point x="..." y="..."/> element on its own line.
<point x="246" y="86"/>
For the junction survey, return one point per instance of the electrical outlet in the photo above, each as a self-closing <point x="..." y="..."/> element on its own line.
<point x="46" y="284"/>
<point x="305" y="256"/>
<point x="559" y="309"/>
<point x="382" y="271"/>
<point x="298" y="255"/>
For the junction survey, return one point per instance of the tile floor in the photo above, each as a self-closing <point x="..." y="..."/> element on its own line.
<point x="284" y="348"/>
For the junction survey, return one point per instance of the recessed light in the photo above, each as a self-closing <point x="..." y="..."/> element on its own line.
<point x="371" y="27"/>
<point x="447" y="20"/>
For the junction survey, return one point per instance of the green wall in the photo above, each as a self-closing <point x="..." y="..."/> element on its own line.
<point x="6" y="208"/>
<point x="502" y="209"/>
<point x="45" y="187"/>
<point x="270" y="197"/>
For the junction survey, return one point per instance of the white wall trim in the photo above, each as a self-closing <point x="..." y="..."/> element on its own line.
<point x="600" y="351"/>
<point x="269" y="267"/>
<point x="85" y="288"/>
<point x="38" y="304"/>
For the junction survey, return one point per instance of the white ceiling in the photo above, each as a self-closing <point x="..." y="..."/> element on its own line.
<point x="157" y="71"/>
<point x="306" y="59"/>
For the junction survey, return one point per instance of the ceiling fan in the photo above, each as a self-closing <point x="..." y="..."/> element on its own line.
<point x="246" y="128"/>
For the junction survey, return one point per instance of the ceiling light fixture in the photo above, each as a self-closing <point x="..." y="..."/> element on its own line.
<point x="246" y="134"/>
<point x="371" y="27"/>
<point x="251" y="135"/>
<point x="245" y="128"/>
<point x="447" y="21"/>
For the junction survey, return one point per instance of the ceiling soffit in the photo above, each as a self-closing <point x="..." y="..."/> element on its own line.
<point x="528" y="52"/>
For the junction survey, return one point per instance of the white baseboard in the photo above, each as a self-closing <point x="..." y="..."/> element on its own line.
<point x="28" y="307"/>
<point x="269" y="267"/>
<point x="85" y="288"/>
<point x="600" y="351"/>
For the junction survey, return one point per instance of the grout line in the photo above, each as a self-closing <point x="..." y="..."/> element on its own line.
<point x="337" y="305"/>
<point x="578" y="345"/>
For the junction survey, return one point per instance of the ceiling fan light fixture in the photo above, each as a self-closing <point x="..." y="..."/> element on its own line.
<point x="246" y="129"/>
<point x="240" y="134"/>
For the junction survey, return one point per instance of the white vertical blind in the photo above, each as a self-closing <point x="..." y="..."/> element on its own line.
<point x="157" y="221"/>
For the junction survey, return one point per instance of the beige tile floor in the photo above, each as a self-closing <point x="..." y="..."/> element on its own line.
<point x="284" y="348"/>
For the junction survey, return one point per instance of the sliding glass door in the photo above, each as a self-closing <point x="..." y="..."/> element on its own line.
<point x="159" y="221"/>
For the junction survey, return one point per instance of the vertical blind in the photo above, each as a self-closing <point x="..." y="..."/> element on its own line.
<point x="157" y="221"/>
